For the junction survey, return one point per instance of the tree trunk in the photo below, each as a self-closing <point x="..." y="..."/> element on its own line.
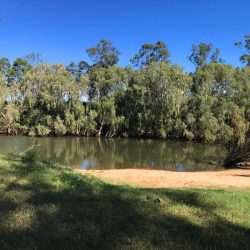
<point x="100" y="130"/>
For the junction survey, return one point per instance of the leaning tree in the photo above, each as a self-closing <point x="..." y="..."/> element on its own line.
<point x="239" y="156"/>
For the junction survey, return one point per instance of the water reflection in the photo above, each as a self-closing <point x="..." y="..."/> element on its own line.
<point x="87" y="165"/>
<point x="179" y="167"/>
<point x="96" y="153"/>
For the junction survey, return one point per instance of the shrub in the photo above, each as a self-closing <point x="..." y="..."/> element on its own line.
<point x="32" y="132"/>
<point x="42" y="130"/>
<point x="60" y="128"/>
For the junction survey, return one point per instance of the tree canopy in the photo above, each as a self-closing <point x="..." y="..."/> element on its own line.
<point x="104" y="54"/>
<point x="203" y="54"/>
<point x="245" y="50"/>
<point x="150" y="53"/>
<point x="153" y="99"/>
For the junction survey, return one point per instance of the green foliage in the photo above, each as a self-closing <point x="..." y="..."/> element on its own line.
<point x="154" y="99"/>
<point x="9" y="119"/>
<point x="42" y="130"/>
<point x="202" y="54"/>
<point x="32" y="132"/>
<point x="3" y="91"/>
<point x="19" y="67"/>
<point x="151" y="53"/>
<point x="208" y="127"/>
<point x="60" y="128"/>
<point x="245" y="57"/>
<point x="104" y="54"/>
<point x="239" y="124"/>
<point x="4" y="66"/>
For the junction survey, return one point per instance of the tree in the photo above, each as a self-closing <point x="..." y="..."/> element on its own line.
<point x="78" y="70"/>
<point x="203" y="54"/>
<point x="211" y="102"/>
<point x="241" y="89"/>
<point x="107" y="117"/>
<point x="59" y="127"/>
<point x="4" y="66"/>
<point x="155" y="99"/>
<point x="149" y="53"/>
<point x="245" y="57"/>
<point x="9" y="119"/>
<point x="33" y="59"/>
<point x="104" y="54"/>
<point x="19" y="67"/>
<point x="103" y="82"/>
<point x="215" y="57"/>
<point x="240" y="125"/>
<point x="239" y="156"/>
<point x="3" y="91"/>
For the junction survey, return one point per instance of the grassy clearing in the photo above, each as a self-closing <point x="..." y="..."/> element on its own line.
<point x="46" y="206"/>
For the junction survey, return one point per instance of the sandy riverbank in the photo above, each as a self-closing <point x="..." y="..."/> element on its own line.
<point x="163" y="179"/>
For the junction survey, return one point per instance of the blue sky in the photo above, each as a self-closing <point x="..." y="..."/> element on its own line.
<point x="61" y="30"/>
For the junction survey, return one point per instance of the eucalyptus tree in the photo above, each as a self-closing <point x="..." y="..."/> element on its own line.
<point x="9" y="114"/>
<point x="213" y="104"/>
<point x="104" y="54"/>
<point x="131" y="103"/>
<point x="19" y="67"/>
<point x="245" y="50"/>
<point x="241" y="89"/>
<point x="78" y="70"/>
<point x="3" y="91"/>
<point x="104" y="82"/>
<point x="202" y="102"/>
<point x="33" y="59"/>
<point x="154" y="99"/>
<point x="151" y="53"/>
<point x="203" y="54"/>
<point x="167" y="87"/>
<point x="48" y="90"/>
<point x="4" y="66"/>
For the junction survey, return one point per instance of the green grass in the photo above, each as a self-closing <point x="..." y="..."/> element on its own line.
<point x="46" y="206"/>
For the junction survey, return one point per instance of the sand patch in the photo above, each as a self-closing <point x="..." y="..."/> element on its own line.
<point x="163" y="179"/>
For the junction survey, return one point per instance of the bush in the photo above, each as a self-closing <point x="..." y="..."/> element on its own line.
<point x="163" y="133"/>
<point x="188" y="134"/>
<point x="42" y="130"/>
<point x="32" y="132"/>
<point x="60" y="128"/>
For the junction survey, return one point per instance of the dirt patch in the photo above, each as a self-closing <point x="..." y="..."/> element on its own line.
<point x="163" y="179"/>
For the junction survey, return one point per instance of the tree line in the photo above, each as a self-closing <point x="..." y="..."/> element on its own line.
<point x="150" y="98"/>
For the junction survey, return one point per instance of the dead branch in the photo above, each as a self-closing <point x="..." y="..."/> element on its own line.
<point x="30" y="147"/>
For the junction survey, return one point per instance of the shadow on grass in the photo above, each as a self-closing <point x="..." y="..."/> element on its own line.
<point x="54" y="208"/>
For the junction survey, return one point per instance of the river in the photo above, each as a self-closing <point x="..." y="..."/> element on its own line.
<point x="101" y="153"/>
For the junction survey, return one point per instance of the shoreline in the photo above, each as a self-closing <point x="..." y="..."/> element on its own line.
<point x="236" y="178"/>
<point x="144" y="138"/>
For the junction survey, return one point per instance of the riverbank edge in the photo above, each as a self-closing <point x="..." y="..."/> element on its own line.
<point x="135" y="137"/>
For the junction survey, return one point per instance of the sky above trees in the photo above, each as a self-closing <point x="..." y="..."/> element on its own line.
<point x="61" y="30"/>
